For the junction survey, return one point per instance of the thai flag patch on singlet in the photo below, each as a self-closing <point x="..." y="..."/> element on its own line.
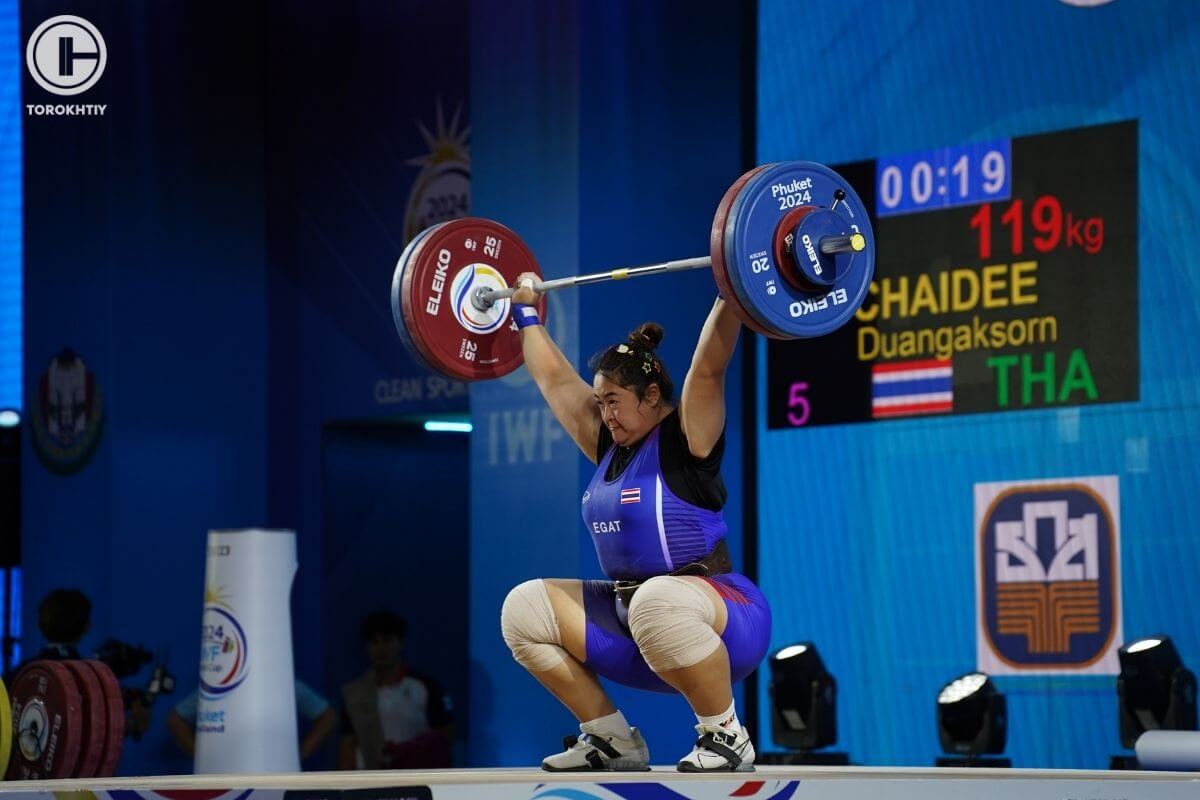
<point x="631" y="496"/>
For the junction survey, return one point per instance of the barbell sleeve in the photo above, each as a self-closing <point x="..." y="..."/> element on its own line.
<point x="853" y="243"/>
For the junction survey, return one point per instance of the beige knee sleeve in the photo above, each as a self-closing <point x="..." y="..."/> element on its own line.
<point x="530" y="628"/>
<point x="672" y="620"/>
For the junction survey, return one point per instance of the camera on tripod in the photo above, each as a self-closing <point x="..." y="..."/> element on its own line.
<point x="127" y="660"/>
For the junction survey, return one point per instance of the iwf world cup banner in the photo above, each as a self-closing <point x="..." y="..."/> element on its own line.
<point x="1048" y="576"/>
<point x="246" y="715"/>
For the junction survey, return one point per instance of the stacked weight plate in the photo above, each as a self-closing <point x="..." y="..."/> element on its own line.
<point x="432" y="286"/>
<point x="62" y="719"/>
<point x="761" y="266"/>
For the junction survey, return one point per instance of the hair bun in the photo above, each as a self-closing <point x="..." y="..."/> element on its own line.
<point x="648" y="335"/>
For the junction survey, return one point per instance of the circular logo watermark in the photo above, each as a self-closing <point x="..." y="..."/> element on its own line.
<point x="469" y="280"/>
<point x="66" y="55"/>
<point x="222" y="652"/>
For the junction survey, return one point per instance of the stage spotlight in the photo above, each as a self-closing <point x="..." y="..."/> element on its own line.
<point x="1154" y="690"/>
<point x="972" y="719"/>
<point x="9" y="418"/>
<point x="803" y="705"/>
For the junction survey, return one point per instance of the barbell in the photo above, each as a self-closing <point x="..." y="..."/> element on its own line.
<point x="791" y="251"/>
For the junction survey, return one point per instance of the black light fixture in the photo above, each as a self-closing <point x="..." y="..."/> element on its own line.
<point x="1155" y="691"/>
<point x="803" y="705"/>
<point x="972" y="719"/>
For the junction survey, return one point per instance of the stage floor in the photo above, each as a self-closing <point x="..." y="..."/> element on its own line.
<point x="662" y="783"/>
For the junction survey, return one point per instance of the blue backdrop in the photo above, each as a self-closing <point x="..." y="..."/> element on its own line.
<point x="881" y="575"/>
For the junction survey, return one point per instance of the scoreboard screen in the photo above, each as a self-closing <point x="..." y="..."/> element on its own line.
<point x="1006" y="279"/>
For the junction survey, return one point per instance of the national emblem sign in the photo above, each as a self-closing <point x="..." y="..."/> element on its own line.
<point x="1047" y="576"/>
<point x="67" y="414"/>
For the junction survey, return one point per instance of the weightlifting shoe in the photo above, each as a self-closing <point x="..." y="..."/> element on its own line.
<point x="592" y="752"/>
<point x="719" y="750"/>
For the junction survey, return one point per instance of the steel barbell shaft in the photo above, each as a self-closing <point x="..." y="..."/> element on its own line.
<point x="483" y="300"/>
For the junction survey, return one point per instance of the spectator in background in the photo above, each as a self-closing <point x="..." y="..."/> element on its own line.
<point x="181" y="722"/>
<point x="64" y="616"/>
<point x="392" y="718"/>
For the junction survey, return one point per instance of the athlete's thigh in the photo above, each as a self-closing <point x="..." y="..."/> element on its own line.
<point x="718" y="602"/>
<point x="566" y="598"/>
<point x="747" y="632"/>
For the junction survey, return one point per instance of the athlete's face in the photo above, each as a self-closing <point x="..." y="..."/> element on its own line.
<point x="627" y="417"/>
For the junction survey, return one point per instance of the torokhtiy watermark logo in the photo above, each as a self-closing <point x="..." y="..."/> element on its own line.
<point x="66" y="56"/>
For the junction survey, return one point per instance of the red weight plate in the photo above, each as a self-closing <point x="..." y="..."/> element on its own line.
<point x="441" y="276"/>
<point x="95" y="718"/>
<point x="114" y="733"/>
<point x="397" y="303"/>
<point x="408" y="313"/>
<point x="716" y="247"/>
<point x="47" y="722"/>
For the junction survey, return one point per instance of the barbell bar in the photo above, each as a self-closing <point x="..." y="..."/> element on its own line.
<point x="791" y="251"/>
<point x="484" y="298"/>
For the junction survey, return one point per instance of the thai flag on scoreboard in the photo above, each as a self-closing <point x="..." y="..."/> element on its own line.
<point x="911" y="388"/>
<point x="631" y="496"/>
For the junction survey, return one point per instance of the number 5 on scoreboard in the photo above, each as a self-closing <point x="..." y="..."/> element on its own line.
<point x="796" y="399"/>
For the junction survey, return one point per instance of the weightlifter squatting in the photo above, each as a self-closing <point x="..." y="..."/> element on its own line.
<point x="674" y="616"/>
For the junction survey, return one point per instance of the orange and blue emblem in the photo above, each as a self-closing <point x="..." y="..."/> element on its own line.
<point x="1048" y="569"/>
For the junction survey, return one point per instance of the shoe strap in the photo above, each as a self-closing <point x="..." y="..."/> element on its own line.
<point x="710" y="741"/>
<point x="601" y="744"/>
<point x="594" y="742"/>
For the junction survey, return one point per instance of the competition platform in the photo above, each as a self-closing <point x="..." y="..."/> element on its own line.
<point x="662" y="783"/>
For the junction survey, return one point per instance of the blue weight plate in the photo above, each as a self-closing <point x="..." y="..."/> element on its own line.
<point x="753" y="223"/>
<point x="397" y="306"/>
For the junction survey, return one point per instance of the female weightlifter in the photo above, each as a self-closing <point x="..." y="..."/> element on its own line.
<point x="674" y="616"/>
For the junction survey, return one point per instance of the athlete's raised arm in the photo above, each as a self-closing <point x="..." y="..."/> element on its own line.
<point x="702" y="403"/>
<point x="570" y="398"/>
